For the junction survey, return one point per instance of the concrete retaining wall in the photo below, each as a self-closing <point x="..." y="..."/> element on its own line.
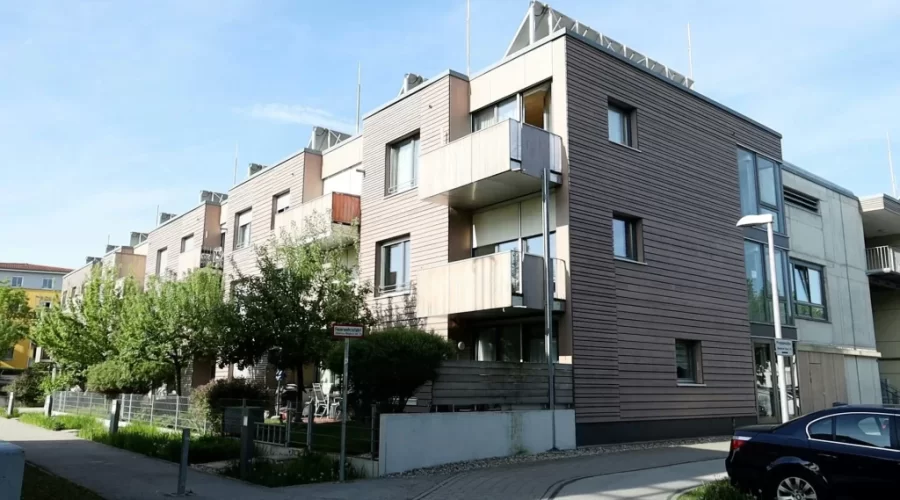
<point x="412" y="441"/>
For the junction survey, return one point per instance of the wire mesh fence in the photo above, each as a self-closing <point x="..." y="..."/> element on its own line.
<point x="160" y="411"/>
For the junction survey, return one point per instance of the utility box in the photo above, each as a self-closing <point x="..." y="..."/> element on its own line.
<point x="12" y="470"/>
<point x="233" y="419"/>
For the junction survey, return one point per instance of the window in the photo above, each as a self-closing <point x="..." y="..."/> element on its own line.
<point x="507" y="109"/>
<point x="513" y="343"/>
<point x="863" y="429"/>
<point x="187" y="243"/>
<point x="9" y="354"/>
<point x="281" y="203"/>
<point x="687" y="361"/>
<point x="626" y="238"/>
<point x="801" y="200"/>
<point x="46" y="304"/>
<point x="47" y="283"/>
<point x="17" y="281"/>
<point x="620" y="122"/>
<point x="404" y="165"/>
<point x="394" y="266"/>
<point x="758" y="287"/>
<point x="822" y="429"/>
<point x="243" y="222"/>
<point x="506" y="246"/>
<point x="534" y="245"/>
<point x="162" y="261"/>
<point x="809" y="291"/>
<point x="760" y="185"/>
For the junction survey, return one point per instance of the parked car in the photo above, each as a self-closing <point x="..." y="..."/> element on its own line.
<point x="846" y="451"/>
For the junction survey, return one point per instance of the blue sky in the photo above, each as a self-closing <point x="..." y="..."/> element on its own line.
<point x="108" y="109"/>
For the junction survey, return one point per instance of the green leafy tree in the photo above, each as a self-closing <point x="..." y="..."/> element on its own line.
<point x="82" y="332"/>
<point x="173" y="321"/>
<point x="387" y="367"/>
<point x="304" y="284"/>
<point x="15" y="316"/>
<point x="117" y="376"/>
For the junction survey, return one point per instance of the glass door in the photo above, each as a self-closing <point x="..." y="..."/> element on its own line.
<point x="764" y="376"/>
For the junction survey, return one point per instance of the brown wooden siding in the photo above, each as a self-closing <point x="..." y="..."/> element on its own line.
<point x="682" y="182"/>
<point x="344" y="208"/>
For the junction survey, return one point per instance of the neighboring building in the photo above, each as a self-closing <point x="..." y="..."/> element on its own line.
<point x="128" y="261"/>
<point x="42" y="285"/>
<point x="837" y="359"/>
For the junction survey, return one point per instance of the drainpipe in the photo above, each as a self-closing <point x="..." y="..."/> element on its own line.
<point x="548" y="297"/>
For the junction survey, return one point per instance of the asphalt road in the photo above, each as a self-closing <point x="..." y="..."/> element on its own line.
<point x="661" y="483"/>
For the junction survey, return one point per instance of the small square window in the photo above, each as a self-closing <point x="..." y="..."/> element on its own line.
<point x="187" y="243"/>
<point x="687" y="361"/>
<point x="620" y="123"/>
<point x="394" y="275"/>
<point x="627" y="237"/>
<point x="9" y="354"/>
<point x="404" y="165"/>
<point x="47" y="283"/>
<point x="809" y="291"/>
<point x="17" y="281"/>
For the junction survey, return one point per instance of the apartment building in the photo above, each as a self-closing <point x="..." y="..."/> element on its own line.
<point x="836" y="356"/>
<point x="127" y="261"/>
<point x="41" y="285"/>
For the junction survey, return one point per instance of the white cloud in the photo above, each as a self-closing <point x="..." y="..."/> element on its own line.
<point x="301" y="115"/>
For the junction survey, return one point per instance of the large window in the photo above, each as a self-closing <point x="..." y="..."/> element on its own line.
<point x="626" y="237"/>
<point x="809" y="291"/>
<point x="404" y="165"/>
<point x="758" y="287"/>
<point x="514" y="343"/>
<point x="47" y="283"/>
<point x="760" y="183"/>
<point x="687" y="361"/>
<point x="507" y="109"/>
<point x="394" y="275"/>
<point x="532" y="245"/>
<point x="620" y="122"/>
<point x="17" y="281"/>
<point x="243" y="222"/>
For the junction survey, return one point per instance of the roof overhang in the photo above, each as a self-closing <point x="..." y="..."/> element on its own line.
<point x="880" y="215"/>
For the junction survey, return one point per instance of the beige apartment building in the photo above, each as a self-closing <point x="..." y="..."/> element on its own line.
<point x="128" y="261"/>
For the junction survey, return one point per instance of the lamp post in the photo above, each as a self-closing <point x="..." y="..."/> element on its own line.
<point x="768" y="221"/>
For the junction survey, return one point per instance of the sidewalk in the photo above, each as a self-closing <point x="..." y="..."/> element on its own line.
<point x="117" y="474"/>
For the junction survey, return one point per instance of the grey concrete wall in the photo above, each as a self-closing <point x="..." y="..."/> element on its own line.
<point x="886" y="310"/>
<point x="411" y="441"/>
<point x="833" y="238"/>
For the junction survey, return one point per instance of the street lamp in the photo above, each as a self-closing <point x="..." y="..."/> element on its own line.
<point x="768" y="220"/>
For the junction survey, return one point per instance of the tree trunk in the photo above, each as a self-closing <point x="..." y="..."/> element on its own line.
<point x="177" y="363"/>
<point x="300" y="379"/>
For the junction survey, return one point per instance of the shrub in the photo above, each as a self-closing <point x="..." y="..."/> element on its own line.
<point x="157" y="443"/>
<point x="716" y="490"/>
<point x="208" y="401"/>
<point x="28" y="385"/>
<point x="389" y="366"/>
<point x="116" y="376"/>
<point x="306" y="468"/>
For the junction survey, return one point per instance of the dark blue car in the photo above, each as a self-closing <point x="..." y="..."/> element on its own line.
<point x="841" y="452"/>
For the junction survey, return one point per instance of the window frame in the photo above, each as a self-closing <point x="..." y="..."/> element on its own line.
<point x="9" y="354"/>
<point x="242" y="238"/>
<point x="392" y="185"/>
<point x="823" y="291"/>
<point x="627" y="120"/>
<point x="159" y="269"/>
<point x="787" y="319"/>
<point x="44" y="282"/>
<point x="275" y="210"/>
<point x="895" y="423"/>
<point x="12" y="282"/>
<point x="184" y="240"/>
<point x="397" y="288"/>
<point x="776" y="210"/>
<point x="695" y="361"/>
<point x="634" y="237"/>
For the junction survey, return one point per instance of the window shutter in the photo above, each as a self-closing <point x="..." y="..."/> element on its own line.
<point x="245" y="218"/>
<point x="282" y="202"/>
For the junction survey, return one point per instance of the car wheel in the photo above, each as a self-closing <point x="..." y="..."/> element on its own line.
<point x="796" y="485"/>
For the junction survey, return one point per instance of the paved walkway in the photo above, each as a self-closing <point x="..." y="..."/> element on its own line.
<point x="117" y="474"/>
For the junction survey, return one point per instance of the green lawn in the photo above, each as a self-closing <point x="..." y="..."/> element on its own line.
<point x="327" y="437"/>
<point x="41" y="485"/>
<point x="716" y="490"/>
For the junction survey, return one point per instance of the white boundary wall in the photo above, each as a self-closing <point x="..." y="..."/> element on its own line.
<point x="12" y="468"/>
<point x="412" y="441"/>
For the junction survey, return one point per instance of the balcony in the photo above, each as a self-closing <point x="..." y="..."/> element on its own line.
<point x="199" y="257"/>
<point x="495" y="164"/>
<point x="488" y="283"/>
<point x="331" y="215"/>
<point x="883" y="263"/>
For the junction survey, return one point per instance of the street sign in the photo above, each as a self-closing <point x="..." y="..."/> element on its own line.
<point x="344" y="331"/>
<point x="784" y="347"/>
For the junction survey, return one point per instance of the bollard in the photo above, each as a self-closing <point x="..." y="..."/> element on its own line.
<point x="11" y="405"/>
<point x="114" y="412"/>
<point x="309" y="425"/>
<point x="372" y="441"/>
<point x="48" y="405"/>
<point x="246" y="444"/>
<point x="183" y="468"/>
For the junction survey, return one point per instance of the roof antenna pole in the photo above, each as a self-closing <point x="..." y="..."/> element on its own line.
<point x="156" y="221"/>
<point x="235" y="164"/>
<point x="891" y="166"/>
<point x="468" y="37"/>
<point x="531" y="24"/>
<point x="358" y="91"/>
<point x="690" y="53"/>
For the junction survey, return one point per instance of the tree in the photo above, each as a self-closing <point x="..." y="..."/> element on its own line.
<point x="173" y="321"/>
<point x="118" y="376"/>
<point x="387" y="367"/>
<point x="304" y="284"/>
<point x="82" y="332"/>
<point x="15" y="316"/>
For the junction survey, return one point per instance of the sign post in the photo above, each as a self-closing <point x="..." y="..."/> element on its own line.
<point x="346" y="332"/>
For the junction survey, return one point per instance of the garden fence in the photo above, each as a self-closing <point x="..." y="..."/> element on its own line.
<point x="362" y="434"/>
<point x="161" y="411"/>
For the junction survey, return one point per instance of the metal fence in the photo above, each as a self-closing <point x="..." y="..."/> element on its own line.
<point x="362" y="434"/>
<point x="161" y="411"/>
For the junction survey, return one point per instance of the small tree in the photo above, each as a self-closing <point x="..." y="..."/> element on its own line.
<point x="82" y="332"/>
<point x="173" y="322"/>
<point x="118" y="376"/>
<point x="387" y="367"/>
<point x="15" y="316"/>
<point x="305" y="283"/>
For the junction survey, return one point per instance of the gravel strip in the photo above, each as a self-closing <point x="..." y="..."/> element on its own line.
<point x="585" y="451"/>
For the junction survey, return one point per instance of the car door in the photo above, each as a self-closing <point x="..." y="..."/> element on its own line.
<point x="866" y="463"/>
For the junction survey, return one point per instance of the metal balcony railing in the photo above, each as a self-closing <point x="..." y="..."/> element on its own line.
<point x="882" y="259"/>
